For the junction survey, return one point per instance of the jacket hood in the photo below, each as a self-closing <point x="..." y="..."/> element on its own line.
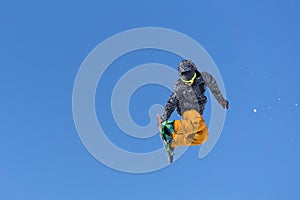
<point x="186" y="66"/>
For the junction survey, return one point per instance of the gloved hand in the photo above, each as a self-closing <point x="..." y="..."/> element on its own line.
<point x="225" y="103"/>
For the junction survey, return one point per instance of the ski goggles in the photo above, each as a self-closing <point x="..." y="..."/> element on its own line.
<point x="191" y="80"/>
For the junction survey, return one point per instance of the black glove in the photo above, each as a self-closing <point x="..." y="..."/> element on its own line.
<point x="225" y="104"/>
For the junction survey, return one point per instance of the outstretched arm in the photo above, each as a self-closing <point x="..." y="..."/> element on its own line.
<point x="213" y="87"/>
<point x="169" y="107"/>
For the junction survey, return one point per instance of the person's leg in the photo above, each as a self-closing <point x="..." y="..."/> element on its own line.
<point x="190" y="131"/>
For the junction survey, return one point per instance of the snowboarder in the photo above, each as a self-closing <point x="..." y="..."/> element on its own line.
<point x="188" y="97"/>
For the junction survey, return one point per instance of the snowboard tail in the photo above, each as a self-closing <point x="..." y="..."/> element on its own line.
<point x="169" y="152"/>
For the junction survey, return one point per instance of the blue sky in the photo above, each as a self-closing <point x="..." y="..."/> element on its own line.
<point x="255" y="46"/>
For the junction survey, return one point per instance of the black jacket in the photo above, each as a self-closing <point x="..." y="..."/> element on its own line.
<point x="186" y="97"/>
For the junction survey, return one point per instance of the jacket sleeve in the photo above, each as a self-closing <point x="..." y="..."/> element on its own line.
<point x="213" y="87"/>
<point x="169" y="107"/>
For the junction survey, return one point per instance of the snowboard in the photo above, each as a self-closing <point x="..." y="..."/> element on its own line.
<point x="169" y="154"/>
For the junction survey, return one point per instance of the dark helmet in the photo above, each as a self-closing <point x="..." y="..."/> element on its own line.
<point x="186" y="67"/>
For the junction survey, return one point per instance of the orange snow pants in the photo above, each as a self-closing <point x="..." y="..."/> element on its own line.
<point x="190" y="131"/>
